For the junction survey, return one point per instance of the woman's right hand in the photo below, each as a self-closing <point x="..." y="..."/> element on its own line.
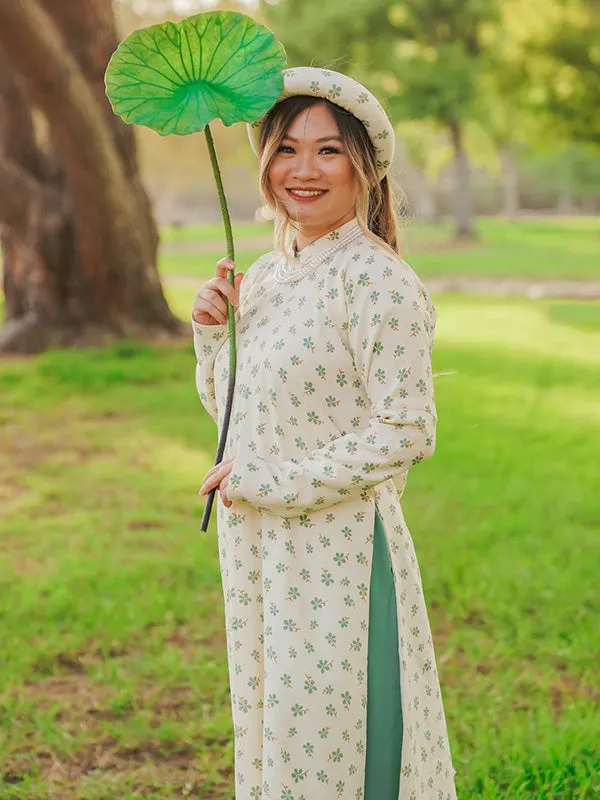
<point x="210" y="306"/>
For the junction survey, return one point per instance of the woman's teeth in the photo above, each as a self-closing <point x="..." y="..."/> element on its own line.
<point x="306" y="193"/>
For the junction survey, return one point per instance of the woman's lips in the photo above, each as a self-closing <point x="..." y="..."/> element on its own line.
<point x="306" y="198"/>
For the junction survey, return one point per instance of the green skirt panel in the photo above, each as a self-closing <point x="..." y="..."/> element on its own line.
<point x="384" y="707"/>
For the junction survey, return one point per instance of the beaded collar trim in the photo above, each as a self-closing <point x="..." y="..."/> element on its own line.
<point x="316" y="253"/>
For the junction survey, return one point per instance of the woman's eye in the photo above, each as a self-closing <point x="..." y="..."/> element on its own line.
<point x="285" y="148"/>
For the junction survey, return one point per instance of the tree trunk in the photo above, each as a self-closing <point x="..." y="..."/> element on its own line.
<point x="424" y="198"/>
<point x="510" y="183"/>
<point x="463" y="203"/>
<point x="79" y="241"/>
<point x="565" y="202"/>
<point x="39" y="266"/>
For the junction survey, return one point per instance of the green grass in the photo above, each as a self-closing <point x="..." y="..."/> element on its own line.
<point x="202" y="265"/>
<point x="113" y="676"/>
<point x="212" y="231"/>
<point x="544" y="248"/>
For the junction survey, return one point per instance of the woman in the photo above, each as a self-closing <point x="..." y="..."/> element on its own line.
<point x="333" y="680"/>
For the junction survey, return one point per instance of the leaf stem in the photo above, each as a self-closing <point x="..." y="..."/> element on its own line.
<point x="230" y="318"/>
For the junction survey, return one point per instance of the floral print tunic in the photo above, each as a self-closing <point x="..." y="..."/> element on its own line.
<point x="333" y="405"/>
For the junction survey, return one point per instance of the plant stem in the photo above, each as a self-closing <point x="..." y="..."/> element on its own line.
<point x="230" y="318"/>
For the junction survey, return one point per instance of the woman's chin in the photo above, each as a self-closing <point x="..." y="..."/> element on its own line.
<point x="304" y="213"/>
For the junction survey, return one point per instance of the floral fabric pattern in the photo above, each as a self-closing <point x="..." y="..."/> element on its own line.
<point x="333" y="405"/>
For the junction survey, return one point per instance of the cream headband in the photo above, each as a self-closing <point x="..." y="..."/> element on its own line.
<point x="344" y="92"/>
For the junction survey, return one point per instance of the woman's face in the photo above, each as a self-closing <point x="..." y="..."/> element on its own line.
<point x="311" y="174"/>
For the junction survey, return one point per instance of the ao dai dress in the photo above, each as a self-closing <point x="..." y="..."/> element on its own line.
<point x="333" y="405"/>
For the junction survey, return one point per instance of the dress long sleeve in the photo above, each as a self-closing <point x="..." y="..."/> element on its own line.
<point x="389" y="332"/>
<point x="208" y="339"/>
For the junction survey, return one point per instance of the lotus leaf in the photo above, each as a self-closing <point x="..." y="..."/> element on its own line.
<point x="176" y="77"/>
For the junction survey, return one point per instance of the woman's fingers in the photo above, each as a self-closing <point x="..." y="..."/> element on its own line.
<point x="212" y="304"/>
<point x="224" y="499"/>
<point x="223" y="267"/>
<point x="224" y="485"/>
<point x="210" y="482"/>
<point x="216" y="474"/>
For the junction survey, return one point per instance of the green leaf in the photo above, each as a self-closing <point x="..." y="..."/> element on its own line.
<point x="176" y="78"/>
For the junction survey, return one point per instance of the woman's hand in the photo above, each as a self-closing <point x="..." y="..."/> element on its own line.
<point x="218" y="476"/>
<point x="210" y="305"/>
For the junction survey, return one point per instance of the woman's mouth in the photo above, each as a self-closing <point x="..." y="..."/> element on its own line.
<point x="306" y="195"/>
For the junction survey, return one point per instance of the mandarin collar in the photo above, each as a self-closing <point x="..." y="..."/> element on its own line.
<point x="315" y="250"/>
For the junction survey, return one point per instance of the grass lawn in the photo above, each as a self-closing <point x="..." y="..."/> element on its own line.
<point x="113" y="676"/>
<point x="544" y="248"/>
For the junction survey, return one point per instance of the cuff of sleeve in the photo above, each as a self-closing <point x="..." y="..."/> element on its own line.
<point x="247" y="473"/>
<point x="216" y="331"/>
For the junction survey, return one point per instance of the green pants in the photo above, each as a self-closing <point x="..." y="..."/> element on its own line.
<point x="384" y="708"/>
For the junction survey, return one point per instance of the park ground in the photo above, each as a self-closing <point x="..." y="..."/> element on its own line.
<point x="113" y="676"/>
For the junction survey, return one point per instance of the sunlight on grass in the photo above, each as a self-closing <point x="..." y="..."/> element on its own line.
<point x="518" y="326"/>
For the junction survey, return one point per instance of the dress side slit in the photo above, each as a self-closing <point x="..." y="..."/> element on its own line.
<point x="384" y="706"/>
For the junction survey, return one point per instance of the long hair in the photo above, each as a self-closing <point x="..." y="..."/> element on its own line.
<point x="376" y="202"/>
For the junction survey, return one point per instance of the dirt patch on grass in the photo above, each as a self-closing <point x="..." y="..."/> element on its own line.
<point x="76" y="692"/>
<point x="515" y="287"/>
<point x="24" y="448"/>
<point x="147" y="770"/>
<point x="58" y="436"/>
<point x="11" y="490"/>
<point x="568" y="688"/>
<point x="77" y="664"/>
<point x="94" y="758"/>
<point x="444" y="245"/>
<point x="144" y="525"/>
<point x="492" y="286"/>
<point x="457" y="668"/>
<point x="218" y="249"/>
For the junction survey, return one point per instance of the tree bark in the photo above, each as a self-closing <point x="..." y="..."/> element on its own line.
<point x="88" y="269"/>
<point x="463" y="203"/>
<point x="36" y="234"/>
<point x="510" y="183"/>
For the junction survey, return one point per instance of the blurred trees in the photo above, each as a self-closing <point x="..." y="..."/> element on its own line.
<point x="526" y="73"/>
<point x="426" y="56"/>
<point x="79" y="241"/>
<point x="437" y="54"/>
<point x="565" y="56"/>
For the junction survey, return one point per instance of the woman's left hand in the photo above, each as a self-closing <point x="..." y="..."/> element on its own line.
<point x="218" y="476"/>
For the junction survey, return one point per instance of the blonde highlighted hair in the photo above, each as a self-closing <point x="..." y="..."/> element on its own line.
<point x="378" y="205"/>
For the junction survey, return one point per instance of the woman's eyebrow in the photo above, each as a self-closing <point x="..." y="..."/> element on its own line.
<point x="322" y="139"/>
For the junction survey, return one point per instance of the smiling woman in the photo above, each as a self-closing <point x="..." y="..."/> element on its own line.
<point x="310" y="176"/>
<point x="333" y="679"/>
<point x="310" y="145"/>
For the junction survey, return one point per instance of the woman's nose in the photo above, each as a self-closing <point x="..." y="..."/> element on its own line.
<point x="305" y="166"/>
